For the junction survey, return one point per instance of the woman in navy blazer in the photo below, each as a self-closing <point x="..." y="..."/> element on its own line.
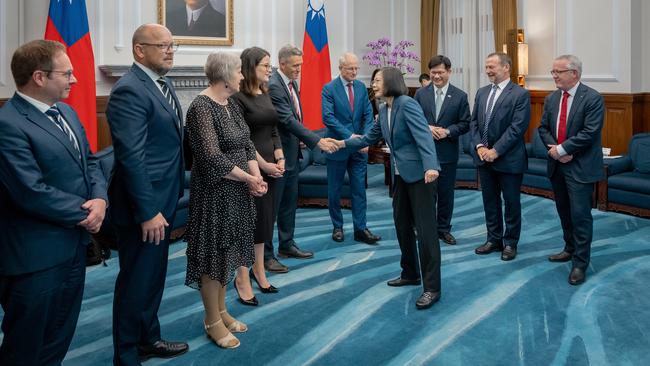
<point x="414" y="170"/>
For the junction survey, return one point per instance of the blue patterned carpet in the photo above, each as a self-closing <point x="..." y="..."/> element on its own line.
<point x="337" y="310"/>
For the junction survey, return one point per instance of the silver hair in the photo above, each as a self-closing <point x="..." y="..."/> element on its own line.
<point x="345" y="57"/>
<point x="288" y="51"/>
<point x="574" y="63"/>
<point x="221" y="66"/>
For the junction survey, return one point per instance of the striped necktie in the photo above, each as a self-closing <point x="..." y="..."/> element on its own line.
<point x="488" y="115"/>
<point x="54" y="113"/>
<point x="167" y="94"/>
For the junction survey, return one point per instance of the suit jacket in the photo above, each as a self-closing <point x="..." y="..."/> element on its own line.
<point x="583" y="133"/>
<point x="509" y="122"/>
<point x="454" y="116"/>
<point x="340" y="120"/>
<point x="291" y="129"/>
<point x="43" y="184"/>
<point x="148" y="172"/>
<point x="411" y="146"/>
<point x="210" y="23"/>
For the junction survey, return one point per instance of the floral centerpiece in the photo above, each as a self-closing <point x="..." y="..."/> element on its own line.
<point x="382" y="53"/>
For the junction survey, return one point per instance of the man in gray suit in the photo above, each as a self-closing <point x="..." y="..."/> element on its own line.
<point x="285" y="96"/>
<point x="571" y="129"/>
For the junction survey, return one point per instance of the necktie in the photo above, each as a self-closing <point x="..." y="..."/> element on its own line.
<point x="168" y="95"/>
<point x="438" y="102"/>
<point x="561" y="128"/>
<point x="56" y="116"/>
<point x="192" y="22"/>
<point x="351" y="96"/>
<point x="488" y="115"/>
<point x="296" y="105"/>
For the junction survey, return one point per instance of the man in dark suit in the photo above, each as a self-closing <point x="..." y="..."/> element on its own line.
<point x="571" y="128"/>
<point x="144" y="116"/>
<point x="447" y="111"/>
<point x="499" y="120"/>
<point x="195" y="18"/>
<point x="285" y="97"/>
<point x="347" y="113"/>
<point x="52" y="194"/>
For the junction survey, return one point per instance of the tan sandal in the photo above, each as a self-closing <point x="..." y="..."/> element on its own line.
<point x="236" y="326"/>
<point x="224" y="342"/>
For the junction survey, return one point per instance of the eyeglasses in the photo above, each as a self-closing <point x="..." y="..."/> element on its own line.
<point x="558" y="72"/>
<point x="163" y="46"/>
<point x="67" y="74"/>
<point x="351" y="68"/>
<point x="266" y="66"/>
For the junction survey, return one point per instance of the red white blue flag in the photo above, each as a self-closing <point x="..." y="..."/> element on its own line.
<point x="316" y="71"/>
<point x="67" y="23"/>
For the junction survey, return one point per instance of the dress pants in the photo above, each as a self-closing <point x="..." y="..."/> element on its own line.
<point x="286" y="202"/>
<point x="414" y="206"/>
<point x="356" y="165"/>
<point x="138" y="292"/>
<point x="445" y="197"/>
<point x="41" y="312"/>
<point x="573" y="202"/>
<point x="493" y="185"/>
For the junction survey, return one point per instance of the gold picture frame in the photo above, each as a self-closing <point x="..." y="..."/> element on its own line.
<point x="213" y="22"/>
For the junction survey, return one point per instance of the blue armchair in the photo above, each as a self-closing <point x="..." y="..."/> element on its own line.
<point x="466" y="171"/>
<point x="312" y="180"/>
<point x="535" y="179"/>
<point x="627" y="186"/>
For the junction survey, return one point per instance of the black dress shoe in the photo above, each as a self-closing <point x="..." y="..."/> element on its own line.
<point x="273" y="265"/>
<point x="337" y="234"/>
<point x="162" y="349"/>
<point x="577" y="276"/>
<point x="447" y="238"/>
<point x="366" y="236"/>
<point x="399" y="281"/>
<point x="509" y="253"/>
<point x="427" y="299"/>
<point x="295" y="252"/>
<point x="250" y="302"/>
<point x="488" y="248"/>
<point x="560" y="257"/>
<point x="265" y="290"/>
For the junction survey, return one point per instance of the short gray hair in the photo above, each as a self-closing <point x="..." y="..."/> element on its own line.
<point x="574" y="63"/>
<point x="504" y="59"/>
<point x="288" y="51"/>
<point x="343" y="60"/>
<point x="221" y="66"/>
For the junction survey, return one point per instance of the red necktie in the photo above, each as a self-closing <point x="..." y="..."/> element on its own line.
<point x="351" y="97"/>
<point x="561" y="128"/>
<point x="296" y="105"/>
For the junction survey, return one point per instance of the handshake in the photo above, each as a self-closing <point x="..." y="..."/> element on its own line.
<point x="330" y="145"/>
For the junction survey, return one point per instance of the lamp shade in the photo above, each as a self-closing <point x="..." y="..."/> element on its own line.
<point x="522" y="59"/>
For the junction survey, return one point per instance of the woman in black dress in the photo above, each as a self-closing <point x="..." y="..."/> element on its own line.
<point x="225" y="177"/>
<point x="262" y="120"/>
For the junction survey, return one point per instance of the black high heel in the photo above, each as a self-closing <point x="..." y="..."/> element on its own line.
<point x="250" y="302"/>
<point x="265" y="290"/>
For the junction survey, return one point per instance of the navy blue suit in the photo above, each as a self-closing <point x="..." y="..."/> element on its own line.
<point x="412" y="153"/>
<point x="292" y="131"/>
<point x="508" y="124"/>
<point x="573" y="182"/>
<point x="147" y="179"/>
<point x="341" y="122"/>
<point x="43" y="184"/>
<point x="454" y="116"/>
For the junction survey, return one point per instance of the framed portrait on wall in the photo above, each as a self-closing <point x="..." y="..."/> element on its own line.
<point x="201" y="22"/>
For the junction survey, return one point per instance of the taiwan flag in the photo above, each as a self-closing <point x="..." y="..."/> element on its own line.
<point x="67" y="23"/>
<point x="316" y="71"/>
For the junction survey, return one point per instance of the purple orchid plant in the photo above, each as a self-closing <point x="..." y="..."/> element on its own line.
<point x="382" y="53"/>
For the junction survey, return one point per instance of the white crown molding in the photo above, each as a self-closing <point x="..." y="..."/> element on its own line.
<point x="99" y="36"/>
<point x="119" y="25"/>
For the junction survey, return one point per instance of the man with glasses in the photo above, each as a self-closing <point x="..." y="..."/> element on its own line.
<point x="52" y="195"/>
<point x="145" y="119"/>
<point x="571" y="129"/>
<point x="347" y="113"/>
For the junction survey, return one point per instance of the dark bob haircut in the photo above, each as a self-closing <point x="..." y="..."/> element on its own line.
<point x="394" y="85"/>
<point x="250" y="59"/>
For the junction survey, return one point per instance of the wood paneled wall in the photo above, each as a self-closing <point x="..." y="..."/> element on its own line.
<point x="625" y="115"/>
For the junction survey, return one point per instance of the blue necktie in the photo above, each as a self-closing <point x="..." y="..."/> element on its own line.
<point x="56" y="116"/>
<point x="168" y="95"/>
<point x="488" y="115"/>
